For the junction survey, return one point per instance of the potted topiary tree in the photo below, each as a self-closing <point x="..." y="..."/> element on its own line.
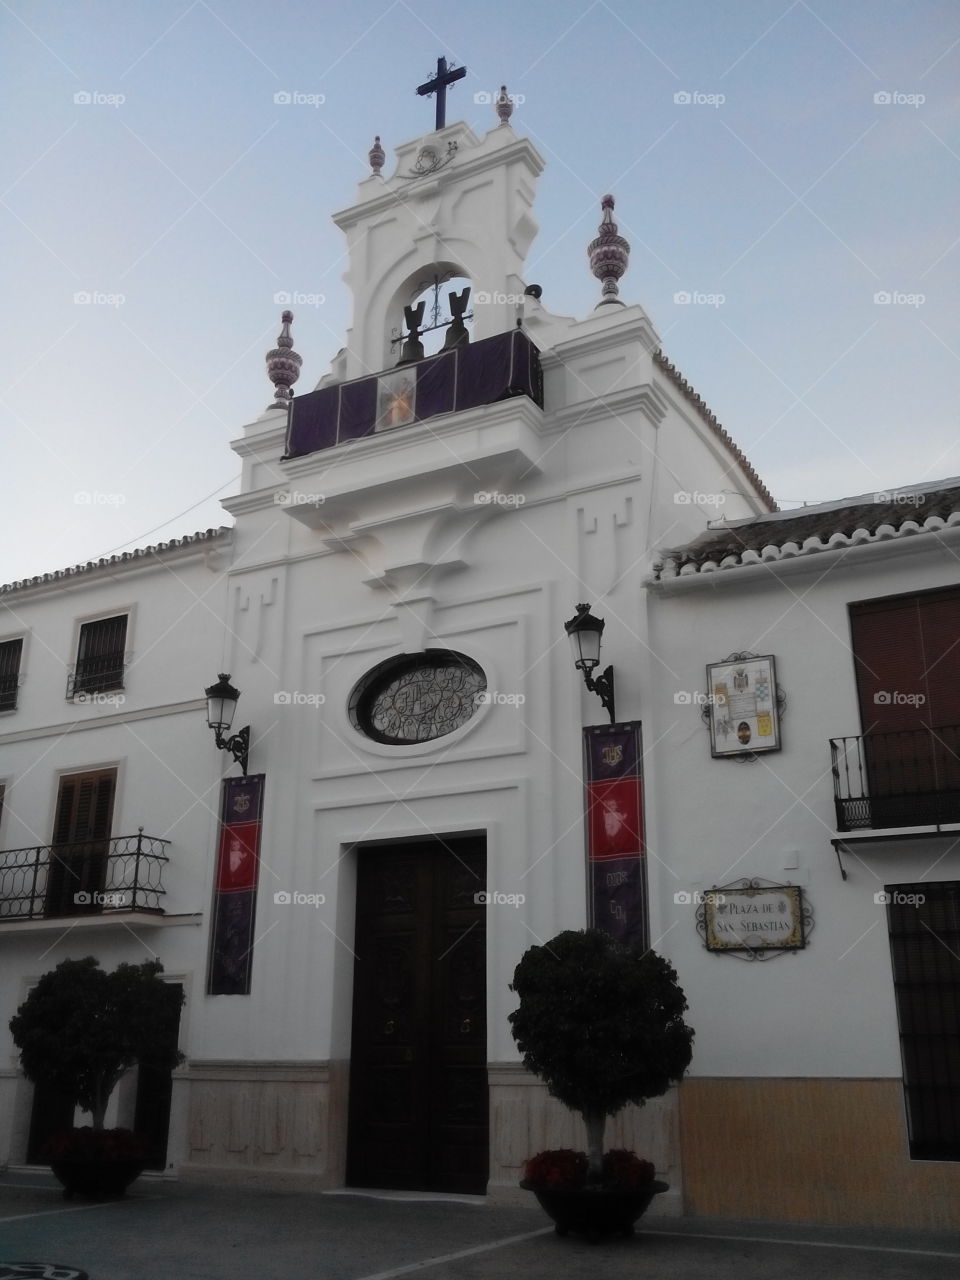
<point x="602" y="1025"/>
<point x="78" y="1031"/>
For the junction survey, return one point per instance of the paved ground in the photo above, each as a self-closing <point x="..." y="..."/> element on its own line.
<point x="182" y="1231"/>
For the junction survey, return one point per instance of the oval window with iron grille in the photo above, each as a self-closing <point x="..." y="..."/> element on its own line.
<point x="417" y="697"/>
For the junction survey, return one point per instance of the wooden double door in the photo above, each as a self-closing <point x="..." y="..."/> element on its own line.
<point x="418" y="1116"/>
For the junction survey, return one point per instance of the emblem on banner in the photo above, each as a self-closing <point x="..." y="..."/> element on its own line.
<point x="241" y="802"/>
<point x="612" y="755"/>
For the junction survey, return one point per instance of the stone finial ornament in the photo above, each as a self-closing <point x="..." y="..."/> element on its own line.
<point x="283" y="365"/>
<point x="377" y="157"/>
<point x="609" y="255"/>
<point x="504" y="105"/>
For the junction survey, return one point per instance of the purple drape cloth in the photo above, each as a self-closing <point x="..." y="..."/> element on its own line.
<point x="479" y="373"/>
<point x="436" y="381"/>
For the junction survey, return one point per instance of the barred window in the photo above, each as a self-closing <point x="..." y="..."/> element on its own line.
<point x="11" y="652"/>
<point x="100" y="656"/>
<point x="924" y="924"/>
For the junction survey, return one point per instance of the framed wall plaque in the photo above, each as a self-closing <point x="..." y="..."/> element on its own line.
<point x="756" y="918"/>
<point x="742" y="704"/>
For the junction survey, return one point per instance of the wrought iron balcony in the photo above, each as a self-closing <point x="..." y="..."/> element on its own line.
<point x="909" y="778"/>
<point x="123" y="873"/>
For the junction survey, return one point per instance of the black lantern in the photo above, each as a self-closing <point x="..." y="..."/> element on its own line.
<point x="221" y="707"/>
<point x="585" y="631"/>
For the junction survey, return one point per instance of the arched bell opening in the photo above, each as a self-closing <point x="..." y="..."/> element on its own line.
<point x="431" y="311"/>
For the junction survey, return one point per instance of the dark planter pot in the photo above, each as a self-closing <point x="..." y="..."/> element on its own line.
<point x="96" y="1177"/>
<point x="99" y="1165"/>
<point x="595" y="1212"/>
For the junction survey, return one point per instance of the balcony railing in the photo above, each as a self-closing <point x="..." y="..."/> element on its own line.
<point x="904" y="779"/>
<point x="90" y="877"/>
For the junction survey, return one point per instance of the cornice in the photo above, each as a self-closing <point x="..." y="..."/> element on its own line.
<point x="102" y="721"/>
<point x="197" y="546"/>
<point x="813" y="556"/>
<point x="648" y="398"/>
<point x="602" y="333"/>
<point x="458" y="441"/>
<point x="398" y="191"/>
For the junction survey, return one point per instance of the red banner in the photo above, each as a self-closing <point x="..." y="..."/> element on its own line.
<point x="615" y="834"/>
<point x="235" y="886"/>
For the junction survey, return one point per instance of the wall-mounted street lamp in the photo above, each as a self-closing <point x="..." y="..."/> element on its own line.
<point x="221" y="708"/>
<point x="585" y="631"/>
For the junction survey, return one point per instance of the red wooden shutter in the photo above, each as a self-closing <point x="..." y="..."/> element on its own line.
<point x="907" y="654"/>
<point x="940" y="627"/>
<point x="940" y="623"/>
<point x="888" y="653"/>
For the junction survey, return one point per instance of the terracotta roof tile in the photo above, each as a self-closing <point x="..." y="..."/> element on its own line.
<point x="206" y="535"/>
<point x="890" y="514"/>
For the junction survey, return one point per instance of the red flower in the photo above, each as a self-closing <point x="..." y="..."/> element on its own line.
<point x="626" y="1171"/>
<point x="567" y="1169"/>
<point x="559" y="1168"/>
<point x="102" y="1144"/>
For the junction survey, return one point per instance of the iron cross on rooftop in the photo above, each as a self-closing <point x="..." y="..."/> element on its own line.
<point x="438" y="85"/>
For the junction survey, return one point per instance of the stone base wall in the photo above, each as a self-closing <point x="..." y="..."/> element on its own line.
<point x="14" y="1117"/>
<point x="524" y="1119"/>
<point x="282" y="1124"/>
<point x="266" y="1122"/>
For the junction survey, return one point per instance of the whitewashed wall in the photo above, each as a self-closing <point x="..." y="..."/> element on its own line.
<point x="828" y="1010"/>
<point x="168" y="774"/>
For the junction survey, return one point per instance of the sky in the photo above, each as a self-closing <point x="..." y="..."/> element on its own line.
<point x="787" y="173"/>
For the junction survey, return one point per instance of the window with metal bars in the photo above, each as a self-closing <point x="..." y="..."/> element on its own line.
<point x="10" y="654"/>
<point x="100" y="656"/>
<point x="924" y="924"/>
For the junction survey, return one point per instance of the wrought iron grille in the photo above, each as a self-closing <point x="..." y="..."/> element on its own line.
<point x="924" y="924"/>
<point x="10" y="653"/>
<point x="418" y="698"/>
<point x="903" y="779"/>
<point x="101" y="657"/>
<point x="86" y="877"/>
<point x="9" y="688"/>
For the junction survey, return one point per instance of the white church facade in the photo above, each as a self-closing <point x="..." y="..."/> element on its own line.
<point x="346" y="914"/>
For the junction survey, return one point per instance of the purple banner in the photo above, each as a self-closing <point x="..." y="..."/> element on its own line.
<point x="235" y="886"/>
<point x="620" y="899"/>
<point x="612" y="752"/>
<point x="616" y="845"/>
<point x="507" y="364"/>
